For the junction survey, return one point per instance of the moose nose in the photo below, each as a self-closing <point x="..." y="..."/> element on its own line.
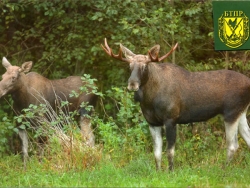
<point x="134" y="86"/>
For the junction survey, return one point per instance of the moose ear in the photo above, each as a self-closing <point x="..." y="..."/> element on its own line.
<point x="5" y="63"/>
<point x="154" y="51"/>
<point x="127" y="53"/>
<point x="26" y="66"/>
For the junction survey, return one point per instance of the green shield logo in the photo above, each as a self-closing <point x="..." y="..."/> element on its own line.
<point x="233" y="28"/>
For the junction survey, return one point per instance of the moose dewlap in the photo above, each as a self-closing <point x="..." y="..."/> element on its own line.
<point x="170" y="95"/>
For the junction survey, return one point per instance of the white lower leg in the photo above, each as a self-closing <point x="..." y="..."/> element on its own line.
<point x="24" y="138"/>
<point x="231" y="138"/>
<point x="244" y="129"/>
<point x="157" y="139"/>
<point x="87" y="131"/>
<point x="170" y="154"/>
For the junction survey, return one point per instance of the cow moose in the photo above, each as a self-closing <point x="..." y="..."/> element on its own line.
<point x="170" y="95"/>
<point x="32" y="88"/>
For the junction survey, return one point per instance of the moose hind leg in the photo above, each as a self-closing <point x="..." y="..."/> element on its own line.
<point x="24" y="138"/>
<point x="171" y="139"/>
<point x="231" y="138"/>
<point x="157" y="139"/>
<point x="244" y="129"/>
<point x="87" y="131"/>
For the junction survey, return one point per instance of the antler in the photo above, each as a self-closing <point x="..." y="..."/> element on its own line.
<point x="157" y="59"/>
<point x="108" y="50"/>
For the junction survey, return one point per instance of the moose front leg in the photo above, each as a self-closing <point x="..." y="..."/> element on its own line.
<point x="24" y="138"/>
<point x="157" y="139"/>
<point x="171" y="138"/>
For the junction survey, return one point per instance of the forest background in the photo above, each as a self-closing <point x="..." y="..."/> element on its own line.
<point x="63" y="38"/>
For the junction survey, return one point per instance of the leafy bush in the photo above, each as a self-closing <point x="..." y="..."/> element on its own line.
<point x="7" y="128"/>
<point x="125" y="133"/>
<point x="65" y="148"/>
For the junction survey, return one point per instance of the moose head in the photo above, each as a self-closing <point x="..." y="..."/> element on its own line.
<point x="10" y="79"/>
<point x="138" y="63"/>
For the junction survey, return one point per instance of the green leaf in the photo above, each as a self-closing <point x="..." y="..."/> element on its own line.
<point x="19" y="119"/>
<point x="22" y="127"/>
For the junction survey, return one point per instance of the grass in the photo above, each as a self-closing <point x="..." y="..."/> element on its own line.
<point x="139" y="172"/>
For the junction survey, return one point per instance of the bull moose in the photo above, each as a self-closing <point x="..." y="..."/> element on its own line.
<point x="27" y="89"/>
<point x="170" y="95"/>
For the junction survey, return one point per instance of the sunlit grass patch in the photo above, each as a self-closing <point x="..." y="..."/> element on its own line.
<point x="71" y="155"/>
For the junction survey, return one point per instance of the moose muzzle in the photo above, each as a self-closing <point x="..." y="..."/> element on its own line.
<point x="133" y="86"/>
